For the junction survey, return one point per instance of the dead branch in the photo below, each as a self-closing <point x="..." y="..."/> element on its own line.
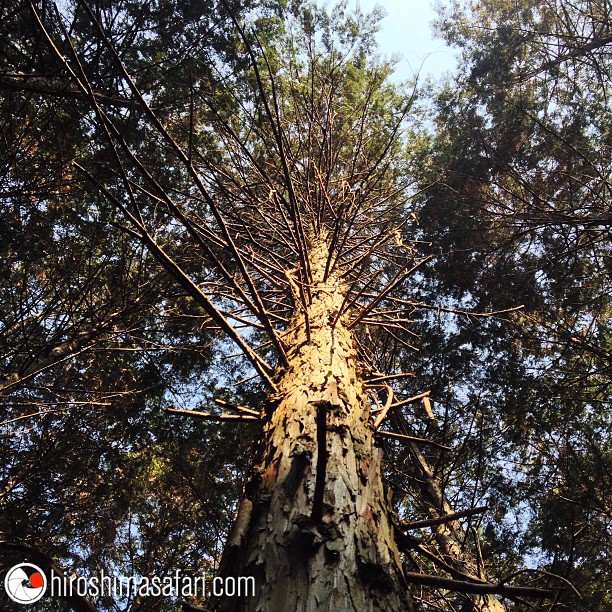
<point x="463" y="586"/>
<point x="210" y="416"/>
<point x="443" y="519"/>
<point x="411" y="439"/>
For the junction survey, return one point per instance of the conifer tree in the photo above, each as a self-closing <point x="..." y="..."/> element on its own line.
<point x="269" y="181"/>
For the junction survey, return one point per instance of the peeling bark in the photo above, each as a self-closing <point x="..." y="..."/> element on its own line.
<point x="319" y="536"/>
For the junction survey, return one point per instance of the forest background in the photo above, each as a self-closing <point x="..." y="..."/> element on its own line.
<point x="117" y="119"/>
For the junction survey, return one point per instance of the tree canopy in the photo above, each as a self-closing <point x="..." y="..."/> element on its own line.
<point x="521" y="149"/>
<point x="180" y="180"/>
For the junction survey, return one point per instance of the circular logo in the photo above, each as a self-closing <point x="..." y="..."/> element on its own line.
<point x="25" y="583"/>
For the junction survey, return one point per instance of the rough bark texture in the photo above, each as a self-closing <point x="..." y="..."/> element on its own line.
<point x="314" y="527"/>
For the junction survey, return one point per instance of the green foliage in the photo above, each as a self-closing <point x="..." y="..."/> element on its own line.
<point x="96" y="336"/>
<point x="519" y="215"/>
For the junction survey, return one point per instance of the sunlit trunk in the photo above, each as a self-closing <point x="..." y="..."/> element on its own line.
<point x="314" y="527"/>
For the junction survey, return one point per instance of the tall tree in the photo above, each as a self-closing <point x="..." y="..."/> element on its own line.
<point x="520" y="215"/>
<point x="270" y="187"/>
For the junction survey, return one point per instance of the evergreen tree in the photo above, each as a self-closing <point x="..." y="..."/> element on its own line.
<point x="184" y="180"/>
<point x="520" y="216"/>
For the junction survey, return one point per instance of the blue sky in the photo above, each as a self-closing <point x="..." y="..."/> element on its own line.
<point x="406" y="30"/>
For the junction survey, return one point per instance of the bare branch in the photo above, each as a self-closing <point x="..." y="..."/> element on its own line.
<point x="210" y="416"/>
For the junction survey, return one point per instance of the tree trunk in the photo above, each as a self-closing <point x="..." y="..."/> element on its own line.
<point x="314" y="528"/>
<point x="451" y="538"/>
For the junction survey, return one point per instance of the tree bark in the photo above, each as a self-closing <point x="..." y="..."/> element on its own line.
<point x="450" y="538"/>
<point x="314" y="527"/>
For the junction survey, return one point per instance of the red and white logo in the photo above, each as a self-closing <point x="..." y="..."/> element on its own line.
<point x="25" y="583"/>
